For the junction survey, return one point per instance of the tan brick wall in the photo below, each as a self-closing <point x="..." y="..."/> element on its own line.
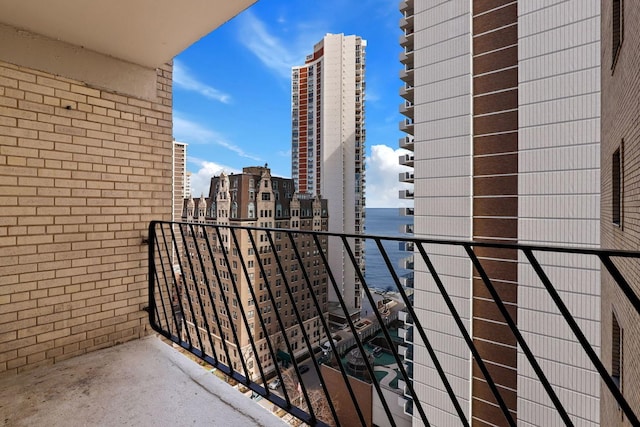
<point x="620" y="122"/>
<point x="82" y="172"/>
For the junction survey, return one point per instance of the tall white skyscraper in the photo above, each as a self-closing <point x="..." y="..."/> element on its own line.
<point x="502" y="101"/>
<point x="328" y="139"/>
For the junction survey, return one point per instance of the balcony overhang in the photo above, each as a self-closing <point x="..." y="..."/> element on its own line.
<point x="148" y="33"/>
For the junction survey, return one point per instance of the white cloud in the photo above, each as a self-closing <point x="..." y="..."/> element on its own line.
<point x="182" y="78"/>
<point x="201" y="179"/>
<point x="382" y="178"/>
<point x="277" y="54"/>
<point x="192" y="132"/>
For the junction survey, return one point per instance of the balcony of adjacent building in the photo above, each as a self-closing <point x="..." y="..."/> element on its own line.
<point x="406" y="22"/>
<point x="406" y="228"/>
<point x="406" y="57"/>
<point x="406" y="108"/>
<point x="406" y="159"/>
<point x="406" y="75"/>
<point x="406" y="177"/>
<point x="406" y="125"/>
<point x="406" y="7"/>
<point x="406" y="142"/>
<point x="406" y="92"/>
<point x="405" y="194"/>
<point x="406" y="39"/>
<point x="406" y="211"/>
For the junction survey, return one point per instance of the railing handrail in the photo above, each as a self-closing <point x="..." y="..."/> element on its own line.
<point x="160" y="256"/>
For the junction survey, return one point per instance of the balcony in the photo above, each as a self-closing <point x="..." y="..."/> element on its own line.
<point x="405" y="194"/>
<point x="405" y="211"/>
<point x="406" y="39"/>
<point x="406" y="160"/>
<point x="406" y="125"/>
<point x="406" y="21"/>
<point x="406" y="246"/>
<point x="406" y="142"/>
<point x="406" y="6"/>
<point x="407" y="92"/>
<point x="406" y="263"/>
<point x="406" y="58"/>
<point x="406" y="108"/>
<point x="192" y="304"/>
<point x="406" y="228"/>
<point x="407" y="282"/>
<point x="405" y="177"/>
<point x="406" y="75"/>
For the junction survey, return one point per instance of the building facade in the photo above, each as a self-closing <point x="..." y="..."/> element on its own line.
<point x="255" y="198"/>
<point x="619" y="228"/>
<point x="180" y="185"/>
<point x="328" y="145"/>
<point x="502" y="100"/>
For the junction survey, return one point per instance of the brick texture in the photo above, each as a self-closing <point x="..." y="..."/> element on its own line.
<point x="621" y="130"/>
<point x="82" y="172"/>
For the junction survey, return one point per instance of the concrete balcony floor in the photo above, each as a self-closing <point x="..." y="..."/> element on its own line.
<point x="140" y="383"/>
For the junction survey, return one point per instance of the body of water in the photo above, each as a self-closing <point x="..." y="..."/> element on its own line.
<point x="384" y="222"/>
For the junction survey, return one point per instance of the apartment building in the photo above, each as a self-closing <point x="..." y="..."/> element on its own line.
<point x="257" y="199"/>
<point x="181" y="185"/>
<point x="619" y="204"/>
<point x="502" y="106"/>
<point x="328" y="147"/>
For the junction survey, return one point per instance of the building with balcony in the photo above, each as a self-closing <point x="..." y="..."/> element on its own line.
<point x="502" y="106"/>
<point x="620" y="328"/>
<point x="254" y="198"/>
<point x="328" y="145"/>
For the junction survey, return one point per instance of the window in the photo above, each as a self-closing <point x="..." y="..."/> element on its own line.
<point x="616" y="351"/>
<point x="617" y="29"/>
<point x="616" y="188"/>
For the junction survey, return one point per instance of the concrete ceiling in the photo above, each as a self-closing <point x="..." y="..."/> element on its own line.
<point x="145" y="32"/>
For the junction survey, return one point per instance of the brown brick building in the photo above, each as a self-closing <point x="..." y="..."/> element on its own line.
<point x="254" y="198"/>
<point x="620" y="203"/>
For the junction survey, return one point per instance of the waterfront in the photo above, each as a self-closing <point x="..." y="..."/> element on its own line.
<point x="384" y="222"/>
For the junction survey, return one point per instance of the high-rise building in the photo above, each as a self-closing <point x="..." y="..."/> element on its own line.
<point x="620" y="162"/>
<point x="257" y="199"/>
<point x="179" y="184"/>
<point x="187" y="184"/>
<point x="328" y="140"/>
<point x="502" y="101"/>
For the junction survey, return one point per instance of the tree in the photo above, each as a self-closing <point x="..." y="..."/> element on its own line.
<point x="318" y="400"/>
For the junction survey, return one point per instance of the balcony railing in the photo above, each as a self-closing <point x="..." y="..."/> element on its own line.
<point x="233" y="296"/>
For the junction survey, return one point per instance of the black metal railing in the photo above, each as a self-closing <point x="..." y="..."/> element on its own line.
<point x="254" y="303"/>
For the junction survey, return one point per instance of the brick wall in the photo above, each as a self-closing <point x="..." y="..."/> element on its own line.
<point x="82" y="172"/>
<point x="620" y="112"/>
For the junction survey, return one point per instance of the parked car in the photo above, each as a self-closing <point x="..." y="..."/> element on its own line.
<point x="303" y="368"/>
<point x="274" y="384"/>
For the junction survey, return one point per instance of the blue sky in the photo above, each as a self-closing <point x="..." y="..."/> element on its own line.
<point x="232" y="89"/>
